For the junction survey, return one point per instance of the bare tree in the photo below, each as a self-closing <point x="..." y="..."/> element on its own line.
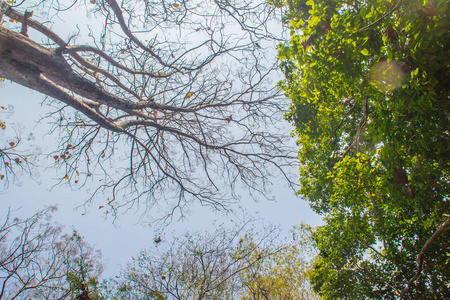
<point x="37" y="260"/>
<point x="181" y="93"/>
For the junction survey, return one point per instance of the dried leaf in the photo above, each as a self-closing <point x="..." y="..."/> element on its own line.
<point x="400" y="176"/>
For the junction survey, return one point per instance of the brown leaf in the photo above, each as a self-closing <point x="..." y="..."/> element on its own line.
<point x="430" y="11"/>
<point x="400" y="176"/>
<point x="409" y="191"/>
<point x="390" y="33"/>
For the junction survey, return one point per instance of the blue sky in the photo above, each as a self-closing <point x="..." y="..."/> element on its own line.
<point x="125" y="237"/>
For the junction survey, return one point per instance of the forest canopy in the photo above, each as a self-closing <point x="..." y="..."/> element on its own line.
<point x="369" y="83"/>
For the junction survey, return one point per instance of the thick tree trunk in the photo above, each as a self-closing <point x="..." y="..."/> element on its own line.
<point x="44" y="70"/>
<point x="23" y="61"/>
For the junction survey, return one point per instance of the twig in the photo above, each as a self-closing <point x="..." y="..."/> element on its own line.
<point x="362" y="123"/>
<point x="380" y="18"/>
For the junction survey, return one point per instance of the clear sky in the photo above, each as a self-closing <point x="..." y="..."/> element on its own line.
<point x="128" y="235"/>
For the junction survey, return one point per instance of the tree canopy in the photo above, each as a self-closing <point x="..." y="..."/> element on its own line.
<point x="237" y="263"/>
<point x="39" y="261"/>
<point x="152" y="99"/>
<point x="369" y="83"/>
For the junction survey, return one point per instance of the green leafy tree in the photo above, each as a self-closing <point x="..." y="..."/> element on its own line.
<point x="369" y="87"/>
<point x="284" y="273"/>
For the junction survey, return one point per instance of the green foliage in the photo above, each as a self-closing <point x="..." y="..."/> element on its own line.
<point x="82" y="265"/>
<point x="369" y="83"/>
<point x="281" y="273"/>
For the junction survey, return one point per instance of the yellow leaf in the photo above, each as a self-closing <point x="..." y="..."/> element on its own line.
<point x="176" y="5"/>
<point x="67" y="177"/>
<point x="2" y="176"/>
<point x="3" y="106"/>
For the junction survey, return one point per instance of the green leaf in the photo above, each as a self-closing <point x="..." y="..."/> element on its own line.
<point x="365" y="52"/>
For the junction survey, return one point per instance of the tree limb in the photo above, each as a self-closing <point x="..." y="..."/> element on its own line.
<point x="421" y="256"/>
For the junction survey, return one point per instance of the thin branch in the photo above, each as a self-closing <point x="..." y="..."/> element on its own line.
<point x="421" y="255"/>
<point x="380" y="18"/>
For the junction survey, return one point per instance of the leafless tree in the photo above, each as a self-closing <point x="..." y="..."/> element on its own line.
<point x="172" y="100"/>
<point x="38" y="261"/>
